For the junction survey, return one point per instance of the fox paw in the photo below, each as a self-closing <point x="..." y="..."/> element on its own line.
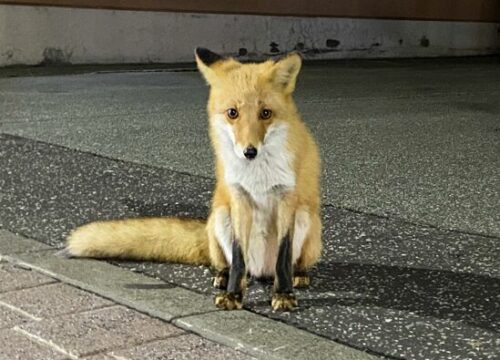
<point x="220" y="280"/>
<point x="301" y="281"/>
<point x="284" y="301"/>
<point x="228" y="301"/>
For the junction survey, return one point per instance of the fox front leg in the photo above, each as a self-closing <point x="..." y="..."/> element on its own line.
<point x="232" y="299"/>
<point x="283" y="297"/>
<point x="221" y="278"/>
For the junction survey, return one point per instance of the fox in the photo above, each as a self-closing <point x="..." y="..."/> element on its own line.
<point x="264" y="220"/>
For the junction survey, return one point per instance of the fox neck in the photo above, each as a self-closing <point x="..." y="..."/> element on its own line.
<point x="271" y="170"/>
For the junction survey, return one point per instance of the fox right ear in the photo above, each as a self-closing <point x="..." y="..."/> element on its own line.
<point x="206" y="56"/>
<point x="205" y="59"/>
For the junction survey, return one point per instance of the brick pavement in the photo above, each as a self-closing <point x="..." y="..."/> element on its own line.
<point x="42" y="318"/>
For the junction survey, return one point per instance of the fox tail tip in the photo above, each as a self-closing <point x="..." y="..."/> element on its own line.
<point x="65" y="253"/>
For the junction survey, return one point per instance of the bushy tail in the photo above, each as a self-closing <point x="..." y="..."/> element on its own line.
<point x="162" y="239"/>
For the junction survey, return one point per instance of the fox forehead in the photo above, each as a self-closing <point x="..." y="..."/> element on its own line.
<point x="243" y="74"/>
<point x="247" y="87"/>
<point x="245" y="81"/>
<point x="243" y="101"/>
<point x="229" y="75"/>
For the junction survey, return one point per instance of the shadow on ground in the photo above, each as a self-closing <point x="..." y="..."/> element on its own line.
<point x="441" y="294"/>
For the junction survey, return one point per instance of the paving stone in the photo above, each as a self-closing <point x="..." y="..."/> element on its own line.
<point x="9" y="243"/>
<point x="180" y="347"/>
<point x="15" y="278"/>
<point x="149" y="295"/>
<point x="9" y="318"/>
<point x="101" y="330"/>
<point x="267" y="339"/>
<point x="17" y="346"/>
<point x="53" y="300"/>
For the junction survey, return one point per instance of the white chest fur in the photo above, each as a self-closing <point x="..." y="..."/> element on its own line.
<point x="262" y="250"/>
<point x="259" y="178"/>
<point x="271" y="168"/>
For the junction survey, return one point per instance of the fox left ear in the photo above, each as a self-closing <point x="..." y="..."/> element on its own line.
<point x="205" y="59"/>
<point x="285" y="71"/>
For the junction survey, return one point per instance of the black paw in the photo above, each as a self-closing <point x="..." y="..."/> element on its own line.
<point x="301" y="280"/>
<point x="284" y="301"/>
<point x="229" y="301"/>
<point x="220" y="280"/>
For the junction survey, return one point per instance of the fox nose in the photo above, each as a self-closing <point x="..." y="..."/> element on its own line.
<point x="250" y="152"/>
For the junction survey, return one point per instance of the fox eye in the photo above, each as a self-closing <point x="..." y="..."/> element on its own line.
<point x="232" y="113"/>
<point x="265" y="114"/>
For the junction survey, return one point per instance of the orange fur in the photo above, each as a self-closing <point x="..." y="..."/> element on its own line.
<point x="161" y="239"/>
<point x="249" y="212"/>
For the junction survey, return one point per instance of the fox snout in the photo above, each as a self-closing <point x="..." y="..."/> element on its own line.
<point x="250" y="152"/>
<point x="249" y="137"/>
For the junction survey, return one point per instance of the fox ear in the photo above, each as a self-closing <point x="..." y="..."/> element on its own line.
<point x="285" y="71"/>
<point x="206" y="56"/>
<point x="205" y="59"/>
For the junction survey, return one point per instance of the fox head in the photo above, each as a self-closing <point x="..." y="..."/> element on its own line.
<point x="249" y="103"/>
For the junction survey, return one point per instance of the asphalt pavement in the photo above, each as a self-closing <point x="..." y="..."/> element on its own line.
<point x="411" y="184"/>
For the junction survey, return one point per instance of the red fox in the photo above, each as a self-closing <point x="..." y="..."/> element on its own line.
<point x="265" y="214"/>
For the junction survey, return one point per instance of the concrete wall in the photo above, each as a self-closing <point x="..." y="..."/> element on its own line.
<point x="33" y="35"/>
